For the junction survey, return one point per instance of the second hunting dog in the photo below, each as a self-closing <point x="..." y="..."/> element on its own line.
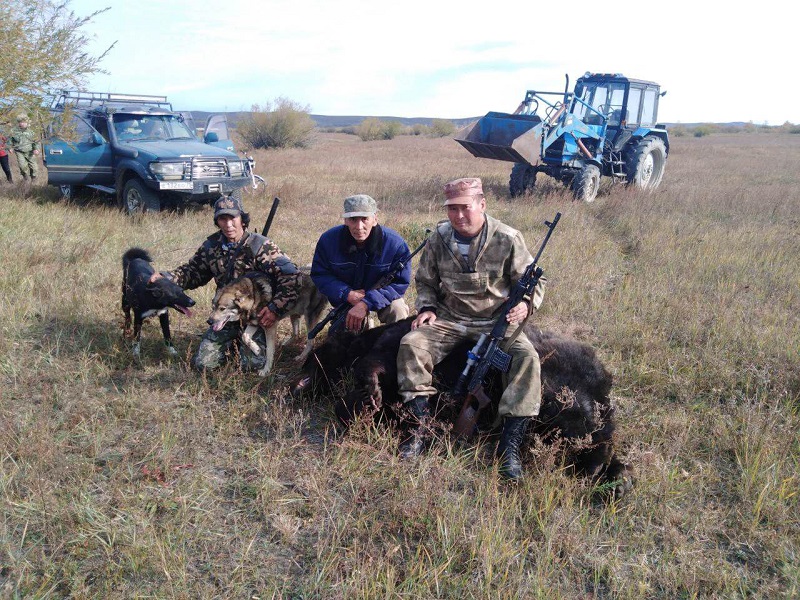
<point x="242" y="300"/>
<point x="149" y="299"/>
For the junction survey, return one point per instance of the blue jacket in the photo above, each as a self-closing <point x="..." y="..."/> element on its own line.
<point x="339" y="266"/>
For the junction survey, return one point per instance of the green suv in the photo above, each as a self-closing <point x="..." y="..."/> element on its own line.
<point x="140" y="150"/>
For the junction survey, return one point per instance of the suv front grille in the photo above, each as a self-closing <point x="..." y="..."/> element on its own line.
<point x="208" y="169"/>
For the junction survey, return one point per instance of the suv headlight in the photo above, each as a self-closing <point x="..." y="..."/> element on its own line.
<point x="167" y="170"/>
<point x="236" y="168"/>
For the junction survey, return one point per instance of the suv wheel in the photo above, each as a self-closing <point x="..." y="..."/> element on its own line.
<point x="137" y="198"/>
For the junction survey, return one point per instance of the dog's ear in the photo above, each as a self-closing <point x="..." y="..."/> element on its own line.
<point x="155" y="290"/>
<point x="237" y="300"/>
<point x="264" y="287"/>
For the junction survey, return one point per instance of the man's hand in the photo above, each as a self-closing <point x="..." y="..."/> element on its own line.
<point x="155" y="277"/>
<point x="355" y="316"/>
<point x="518" y="313"/>
<point x="267" y="318"/>
<point x="424" y="318"/>
<point x="355" y="296"/>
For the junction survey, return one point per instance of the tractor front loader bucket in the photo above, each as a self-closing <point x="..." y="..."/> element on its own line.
<point x="502" y="136"/>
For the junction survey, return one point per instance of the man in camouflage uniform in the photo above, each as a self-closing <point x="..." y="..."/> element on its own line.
<point x="466" y="271"/>
<point x="26" y="147"/>
<point x="224" y="256"/>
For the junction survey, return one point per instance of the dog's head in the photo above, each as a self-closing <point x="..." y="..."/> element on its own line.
<point x="239" y="301"/>
<point x="169" y="294"/>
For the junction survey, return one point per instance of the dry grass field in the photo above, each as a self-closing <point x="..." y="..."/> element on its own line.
<point x="146" y="480"/>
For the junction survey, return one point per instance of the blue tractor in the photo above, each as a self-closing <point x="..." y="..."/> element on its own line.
<point x="606" y="126"/>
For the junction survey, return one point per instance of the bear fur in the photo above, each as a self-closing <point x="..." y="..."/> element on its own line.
<point x="576" y="409"/>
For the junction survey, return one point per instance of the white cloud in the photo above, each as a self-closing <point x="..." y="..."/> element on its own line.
<point x="447" y="59"/>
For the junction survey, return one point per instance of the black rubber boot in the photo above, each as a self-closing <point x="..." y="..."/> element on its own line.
<point x="508" y="448"/>
<point x="414" y="444"/>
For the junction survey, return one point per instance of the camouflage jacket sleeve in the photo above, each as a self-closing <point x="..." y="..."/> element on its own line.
<point x="284" y="273"/>
<point x="196" y="272"/>
<point x="427" y="278"/>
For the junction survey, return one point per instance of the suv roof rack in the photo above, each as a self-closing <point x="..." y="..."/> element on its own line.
<point x="90" y="99"/>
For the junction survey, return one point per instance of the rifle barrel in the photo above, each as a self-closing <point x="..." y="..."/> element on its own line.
<point x="271" y="216"/>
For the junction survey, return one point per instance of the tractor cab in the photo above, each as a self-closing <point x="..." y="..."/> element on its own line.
<point x="621" y="103"/>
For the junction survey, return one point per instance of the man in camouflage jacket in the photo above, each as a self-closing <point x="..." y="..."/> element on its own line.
<point x="466" y="271"/>
<point x="26" y="147"/>
<point x="224" y="256"/>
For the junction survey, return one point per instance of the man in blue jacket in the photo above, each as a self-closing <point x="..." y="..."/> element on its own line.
<point x="351" y="258"/>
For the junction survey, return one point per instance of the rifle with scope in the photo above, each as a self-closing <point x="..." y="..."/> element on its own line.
<point x="488" y="353"/>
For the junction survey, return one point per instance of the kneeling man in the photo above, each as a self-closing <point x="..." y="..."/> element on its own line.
<point x="350" y="259"/>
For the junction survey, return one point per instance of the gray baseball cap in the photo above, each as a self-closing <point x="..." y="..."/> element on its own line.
<point x="359" y="205"/>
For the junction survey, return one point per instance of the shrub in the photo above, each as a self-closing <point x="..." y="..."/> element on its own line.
<point x="289" y="125"/>
<point x="442" y="128"/>
<point x="702" y="130"/>
<point x="420" y="129"/>
<point x="391" y="129"/>
<point x="369" y="129"/>
<point x="374" y="129"/>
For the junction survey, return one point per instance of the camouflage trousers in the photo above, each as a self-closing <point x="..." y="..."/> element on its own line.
<point x="396" y="311"/>
<point x="216" y="348"/>
<point x="26" y="161"/>
<point x="423" y="348"/>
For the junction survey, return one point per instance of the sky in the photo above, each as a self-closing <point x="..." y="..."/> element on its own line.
<point x="448" y="59"/>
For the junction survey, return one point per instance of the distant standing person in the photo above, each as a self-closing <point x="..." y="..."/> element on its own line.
<point x="26" y="147"/>
<point x="4" y="157"/>
<point x="349" y="259"/>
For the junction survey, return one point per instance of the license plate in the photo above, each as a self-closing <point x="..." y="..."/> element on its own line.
<point x="175" y="185"/>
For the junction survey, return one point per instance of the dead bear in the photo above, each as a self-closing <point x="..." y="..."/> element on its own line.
<point x="576" y="407"/>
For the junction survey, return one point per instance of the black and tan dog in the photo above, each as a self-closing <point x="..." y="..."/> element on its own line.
<point x="242" y="300"/>
<point x="149" y="299"/>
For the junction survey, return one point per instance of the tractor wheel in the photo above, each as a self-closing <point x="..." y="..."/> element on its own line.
<point x="586" y="183"/>
<point x="523" y="178"/>
<point x="137" y="198"/>
<point x="645" y="161"/>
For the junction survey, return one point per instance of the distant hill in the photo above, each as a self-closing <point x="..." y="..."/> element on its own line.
<point x="326" y="121"/>
<point x="200" y="118"/>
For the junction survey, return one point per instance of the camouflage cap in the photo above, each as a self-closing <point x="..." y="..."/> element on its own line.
<point x="22" y="117"/>
<point x="359" y="205"/>
<point x="227" y="205"/>
<point x="460" y="191"/>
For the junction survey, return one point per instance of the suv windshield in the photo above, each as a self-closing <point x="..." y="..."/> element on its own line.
<point x="150" y="127"/>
